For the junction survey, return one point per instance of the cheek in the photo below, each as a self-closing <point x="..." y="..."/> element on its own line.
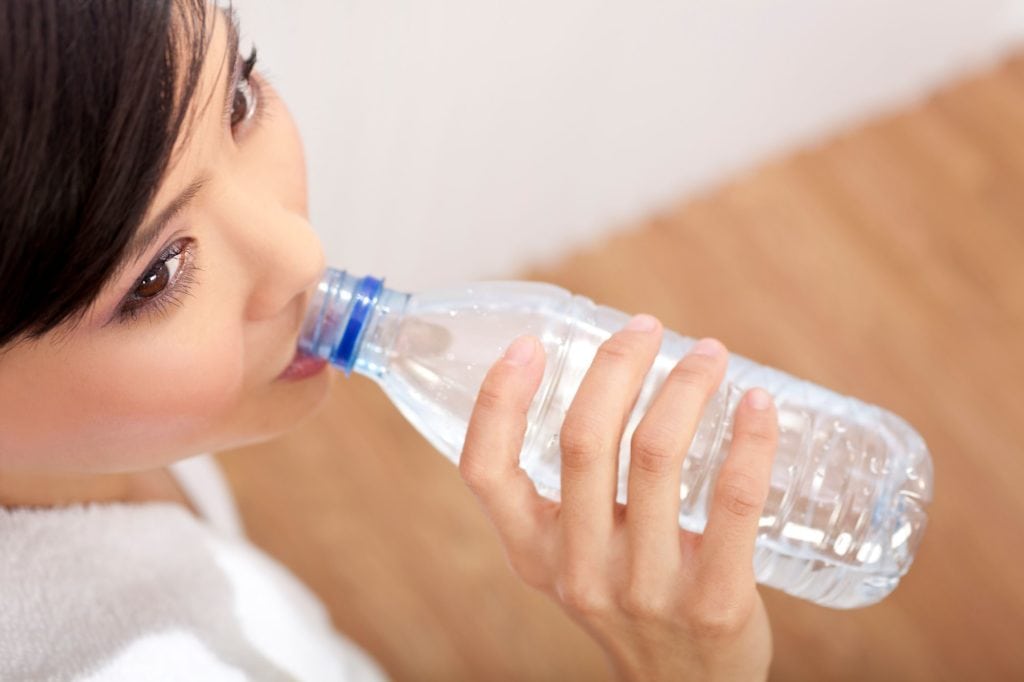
<point x="185" y="383"/>
<point x="117" y="404"/>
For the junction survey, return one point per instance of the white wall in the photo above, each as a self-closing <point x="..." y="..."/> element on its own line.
<point x="461" y="139"/>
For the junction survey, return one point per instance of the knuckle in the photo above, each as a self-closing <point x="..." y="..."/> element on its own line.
<point x="715" y="625"/>
<point x="478" y="478"/>
<point x="695" y="372"/>
<point x="581" y="441"/>
<point x="757" y="434"/>
<point x="490" y="398"/>
<point x="720" y="616"/>
<point x="582" y="593"/>
<point x="740" y="495"/>
<point x="615" y="349"/>
<point x="644" y="604"/>
<point x="652" y="450"/>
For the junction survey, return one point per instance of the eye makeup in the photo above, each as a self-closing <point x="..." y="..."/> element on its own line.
<point x="170" y="277"/>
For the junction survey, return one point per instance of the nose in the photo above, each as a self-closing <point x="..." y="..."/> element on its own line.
<point x="291" y="261"/>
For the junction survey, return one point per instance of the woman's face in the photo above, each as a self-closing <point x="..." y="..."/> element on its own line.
<point x="133" y="388"/>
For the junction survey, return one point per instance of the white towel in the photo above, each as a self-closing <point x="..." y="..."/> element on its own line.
<point x="149" y="592"/>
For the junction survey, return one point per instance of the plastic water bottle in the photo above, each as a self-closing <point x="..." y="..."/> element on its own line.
<point x="850" y="481"/>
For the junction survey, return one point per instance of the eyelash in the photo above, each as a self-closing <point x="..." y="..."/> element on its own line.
<point x="172" y="294"/>
<point x="251" y="84"/>
<point x="180" y="286"/>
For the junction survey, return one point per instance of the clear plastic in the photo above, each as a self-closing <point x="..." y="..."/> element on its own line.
<point x="850" y="482"/>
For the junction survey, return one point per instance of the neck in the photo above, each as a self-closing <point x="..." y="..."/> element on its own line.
<point x="34" y="489"/>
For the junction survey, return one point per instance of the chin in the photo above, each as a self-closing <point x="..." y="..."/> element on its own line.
<point x="293" y="404"/>
<point x="300" y="401"/>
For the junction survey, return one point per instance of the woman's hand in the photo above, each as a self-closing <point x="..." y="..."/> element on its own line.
<point x="664" y="604"/>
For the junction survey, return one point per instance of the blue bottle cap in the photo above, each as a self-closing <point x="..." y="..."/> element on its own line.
<point x="363" y="300"/>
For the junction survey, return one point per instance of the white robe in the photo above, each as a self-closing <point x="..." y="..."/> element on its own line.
<point x="148" y="591"/>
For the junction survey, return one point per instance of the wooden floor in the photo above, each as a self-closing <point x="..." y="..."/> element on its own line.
<point x="887" y="264"/>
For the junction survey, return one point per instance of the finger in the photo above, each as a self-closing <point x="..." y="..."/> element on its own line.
<point x="489" y="463"/>
<point x="592" y="432"/>
<point x="727" y="548"/>
<point x="659" y="445"/>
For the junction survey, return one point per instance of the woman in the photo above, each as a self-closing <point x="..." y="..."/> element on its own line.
<point x="156" y="260"/>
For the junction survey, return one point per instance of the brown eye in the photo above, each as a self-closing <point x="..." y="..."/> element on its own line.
<point x="165" y="283"/>
<point x="242" y="104"/>
<point x="156" y="280"/>
<point x="153" y="283"/>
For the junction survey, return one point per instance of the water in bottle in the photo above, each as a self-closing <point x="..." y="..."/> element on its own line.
<point x="849" y="484"/>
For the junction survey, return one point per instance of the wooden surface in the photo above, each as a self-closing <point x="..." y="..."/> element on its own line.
<point x="886" y="263"/>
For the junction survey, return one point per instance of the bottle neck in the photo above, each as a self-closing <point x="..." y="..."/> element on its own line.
<point x="351" y="322"/>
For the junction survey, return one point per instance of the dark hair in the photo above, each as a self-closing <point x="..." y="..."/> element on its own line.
<point x="93" y="95"/>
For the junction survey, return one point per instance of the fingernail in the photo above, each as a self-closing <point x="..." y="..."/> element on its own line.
<point x="708" y="347"/>
<point x="642" y="323"/>
<point x="520" y="351"/>
<point x="759" y="399"/>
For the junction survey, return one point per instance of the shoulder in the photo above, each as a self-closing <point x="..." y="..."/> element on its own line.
<point x="108" y="588"/>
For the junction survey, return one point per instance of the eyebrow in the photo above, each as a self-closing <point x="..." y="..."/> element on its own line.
<point x="146" y="236"/>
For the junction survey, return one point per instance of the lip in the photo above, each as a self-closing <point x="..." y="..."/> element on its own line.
<point x="301" y="367"/>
